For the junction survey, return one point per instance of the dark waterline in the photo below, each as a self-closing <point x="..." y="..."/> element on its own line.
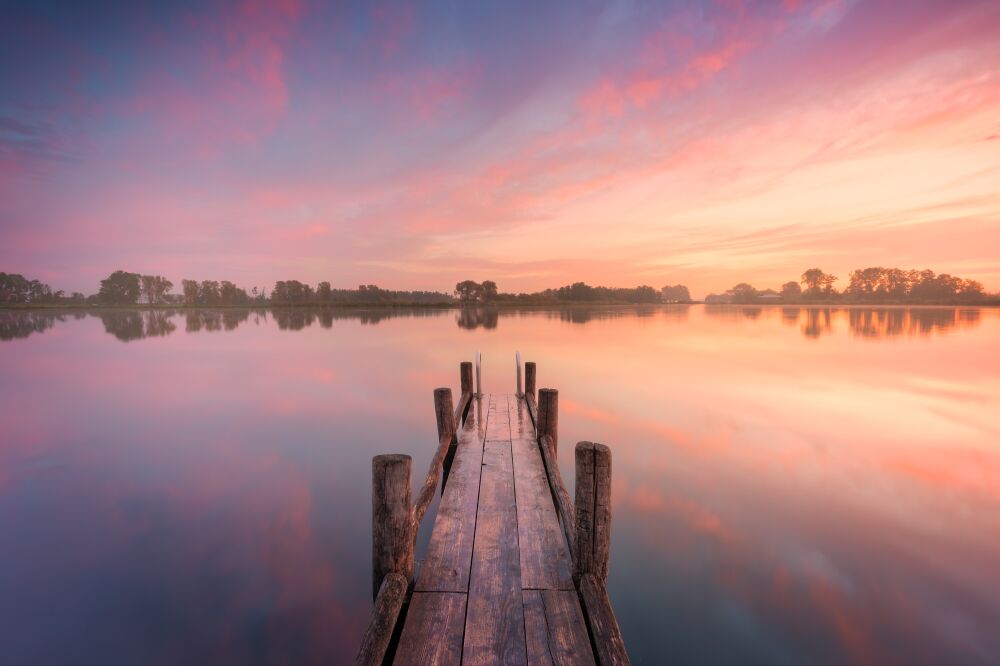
<point x="794" y="485"/>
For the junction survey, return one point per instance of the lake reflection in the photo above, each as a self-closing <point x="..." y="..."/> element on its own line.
<point x="792" y="485"/>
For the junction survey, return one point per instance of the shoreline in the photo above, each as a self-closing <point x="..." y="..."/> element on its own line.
<point x="85" y="307"/>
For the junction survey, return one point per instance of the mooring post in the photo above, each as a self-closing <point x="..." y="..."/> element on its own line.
<point x="444" y="412"/>
<point x="392" y="542"/>
<point x="548" y="417"/>
<point x="465" y="372"/>
<point x="592" y="548"/>
<point x="529" y="378"/>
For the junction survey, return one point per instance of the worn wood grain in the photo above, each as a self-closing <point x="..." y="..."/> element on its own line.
<point x="569" y="642"/>
<point x="494" y="627"/>
<point x="545" y="561"/>
<point x="388" y="603"/>
<point x="392" y="540"/>
<point x="604" y="630"/>
<point x="602" y="511"/>
<point x="433" y="630"/>
<point x="548" y="418"/>
<point x="448" y="560"/>
<point x="583" y="547"/>
<point x="529" y="378"/>
<point x="536" y="630"/>
<point x="563" y="503"/>
<point x="591" y="550"/>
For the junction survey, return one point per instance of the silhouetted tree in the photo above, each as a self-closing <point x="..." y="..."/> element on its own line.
<point x="818" y="284"/>
<point x="155" y="288"/>
<point x="120" y="287"/>
<point x="743" y="293"/>
<point x="191" y="291"/>
<point x="677" y="293"/>
<point x="791" y="291"/>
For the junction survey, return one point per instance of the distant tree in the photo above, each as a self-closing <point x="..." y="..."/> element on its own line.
<point x="191" y="291"/>
<point x="677" y="293"/>
<point x="120" y="287"/>
<point x="468" y="291"/>
<point x="323" y="291"/>
<point x="818" y="284"/>
<point x="488" y="291"/>
<point x="155" y="287"/>
<point x="209" y="293"/>
<point x="743" y="293"/>
<point x="791" y="291"/>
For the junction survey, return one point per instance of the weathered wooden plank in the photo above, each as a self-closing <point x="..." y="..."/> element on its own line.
<point x="433" y="631"/>
<point x="536" y="630"/>
<point x="449" y="554"/>
<point x="569" y="642"/>
<point x="556" y="632"/>
<point x="603" y="624"/>
<point x="382" y="621"/>
<point x="545" y="561"/>
<point x="494" y="627"/>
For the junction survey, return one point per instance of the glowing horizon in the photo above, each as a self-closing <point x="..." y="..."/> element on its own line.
<point x="413" y="146"/>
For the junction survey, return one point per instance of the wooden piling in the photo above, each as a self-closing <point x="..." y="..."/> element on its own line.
<point x="591" y="550"/>
<point x="392" y="541"/>
<point x="529" y="378"/>
<point x="548" y="417"/>
<point x="465" y="372"/>
<point x="444" y="412"/>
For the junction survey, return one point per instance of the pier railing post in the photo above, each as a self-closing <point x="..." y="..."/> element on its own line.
<point x="444" y="412"/>
<point x="592" y="548"/>
<point x="392" y="542"/>
<point x="465" y="372"/>
<point x="517" y="365"/>
<point x="548" y="417"/>
<point x="529" y="378"/>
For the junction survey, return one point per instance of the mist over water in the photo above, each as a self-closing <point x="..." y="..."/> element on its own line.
<point x="790" y="484"/>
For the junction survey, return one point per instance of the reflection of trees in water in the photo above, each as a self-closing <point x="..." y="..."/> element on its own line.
<point x="158" y="323"/>
<point x="888" y="322"/>
<point x="581" y="315"/>
<point x="817" y="322"/>
<point x="473" y="318"/>
<point x="881" y="322"/>
<point x="127" y="325"/>
<point x="14" y="325"/>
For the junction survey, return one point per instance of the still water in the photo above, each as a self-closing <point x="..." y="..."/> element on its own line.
<point x="789" y="485"/>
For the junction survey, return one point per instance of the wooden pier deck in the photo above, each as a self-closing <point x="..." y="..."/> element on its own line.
<point x="499" y="583"/>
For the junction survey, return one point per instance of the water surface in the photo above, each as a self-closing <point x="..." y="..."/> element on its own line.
<point x="794" y="485"/>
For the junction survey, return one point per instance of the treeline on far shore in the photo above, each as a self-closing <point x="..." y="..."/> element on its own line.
<point x="876" y="285"/>
<point x="869" y="285"/>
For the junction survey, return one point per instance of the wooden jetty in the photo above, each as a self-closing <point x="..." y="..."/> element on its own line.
<point x="515" y="571"/>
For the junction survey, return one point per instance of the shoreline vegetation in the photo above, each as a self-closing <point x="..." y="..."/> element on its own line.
<point x="874" y="286"/>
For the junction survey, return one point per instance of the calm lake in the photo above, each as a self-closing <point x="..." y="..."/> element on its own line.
<point x="790" y="485"/>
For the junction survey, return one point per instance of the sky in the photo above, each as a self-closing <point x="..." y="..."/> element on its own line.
<point x="534" y="144"/>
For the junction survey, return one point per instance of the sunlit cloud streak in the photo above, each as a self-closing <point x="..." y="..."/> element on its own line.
<point x="418" y="144"/>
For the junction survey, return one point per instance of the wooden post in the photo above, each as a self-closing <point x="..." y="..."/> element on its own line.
<point x="392" y="542"/>
<point x="529" y="378"/>
<point x="444" y="411"/>
<point x="465" y="372"/>
<point x="592" y="547"/>
<point x="548" y="417"/>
